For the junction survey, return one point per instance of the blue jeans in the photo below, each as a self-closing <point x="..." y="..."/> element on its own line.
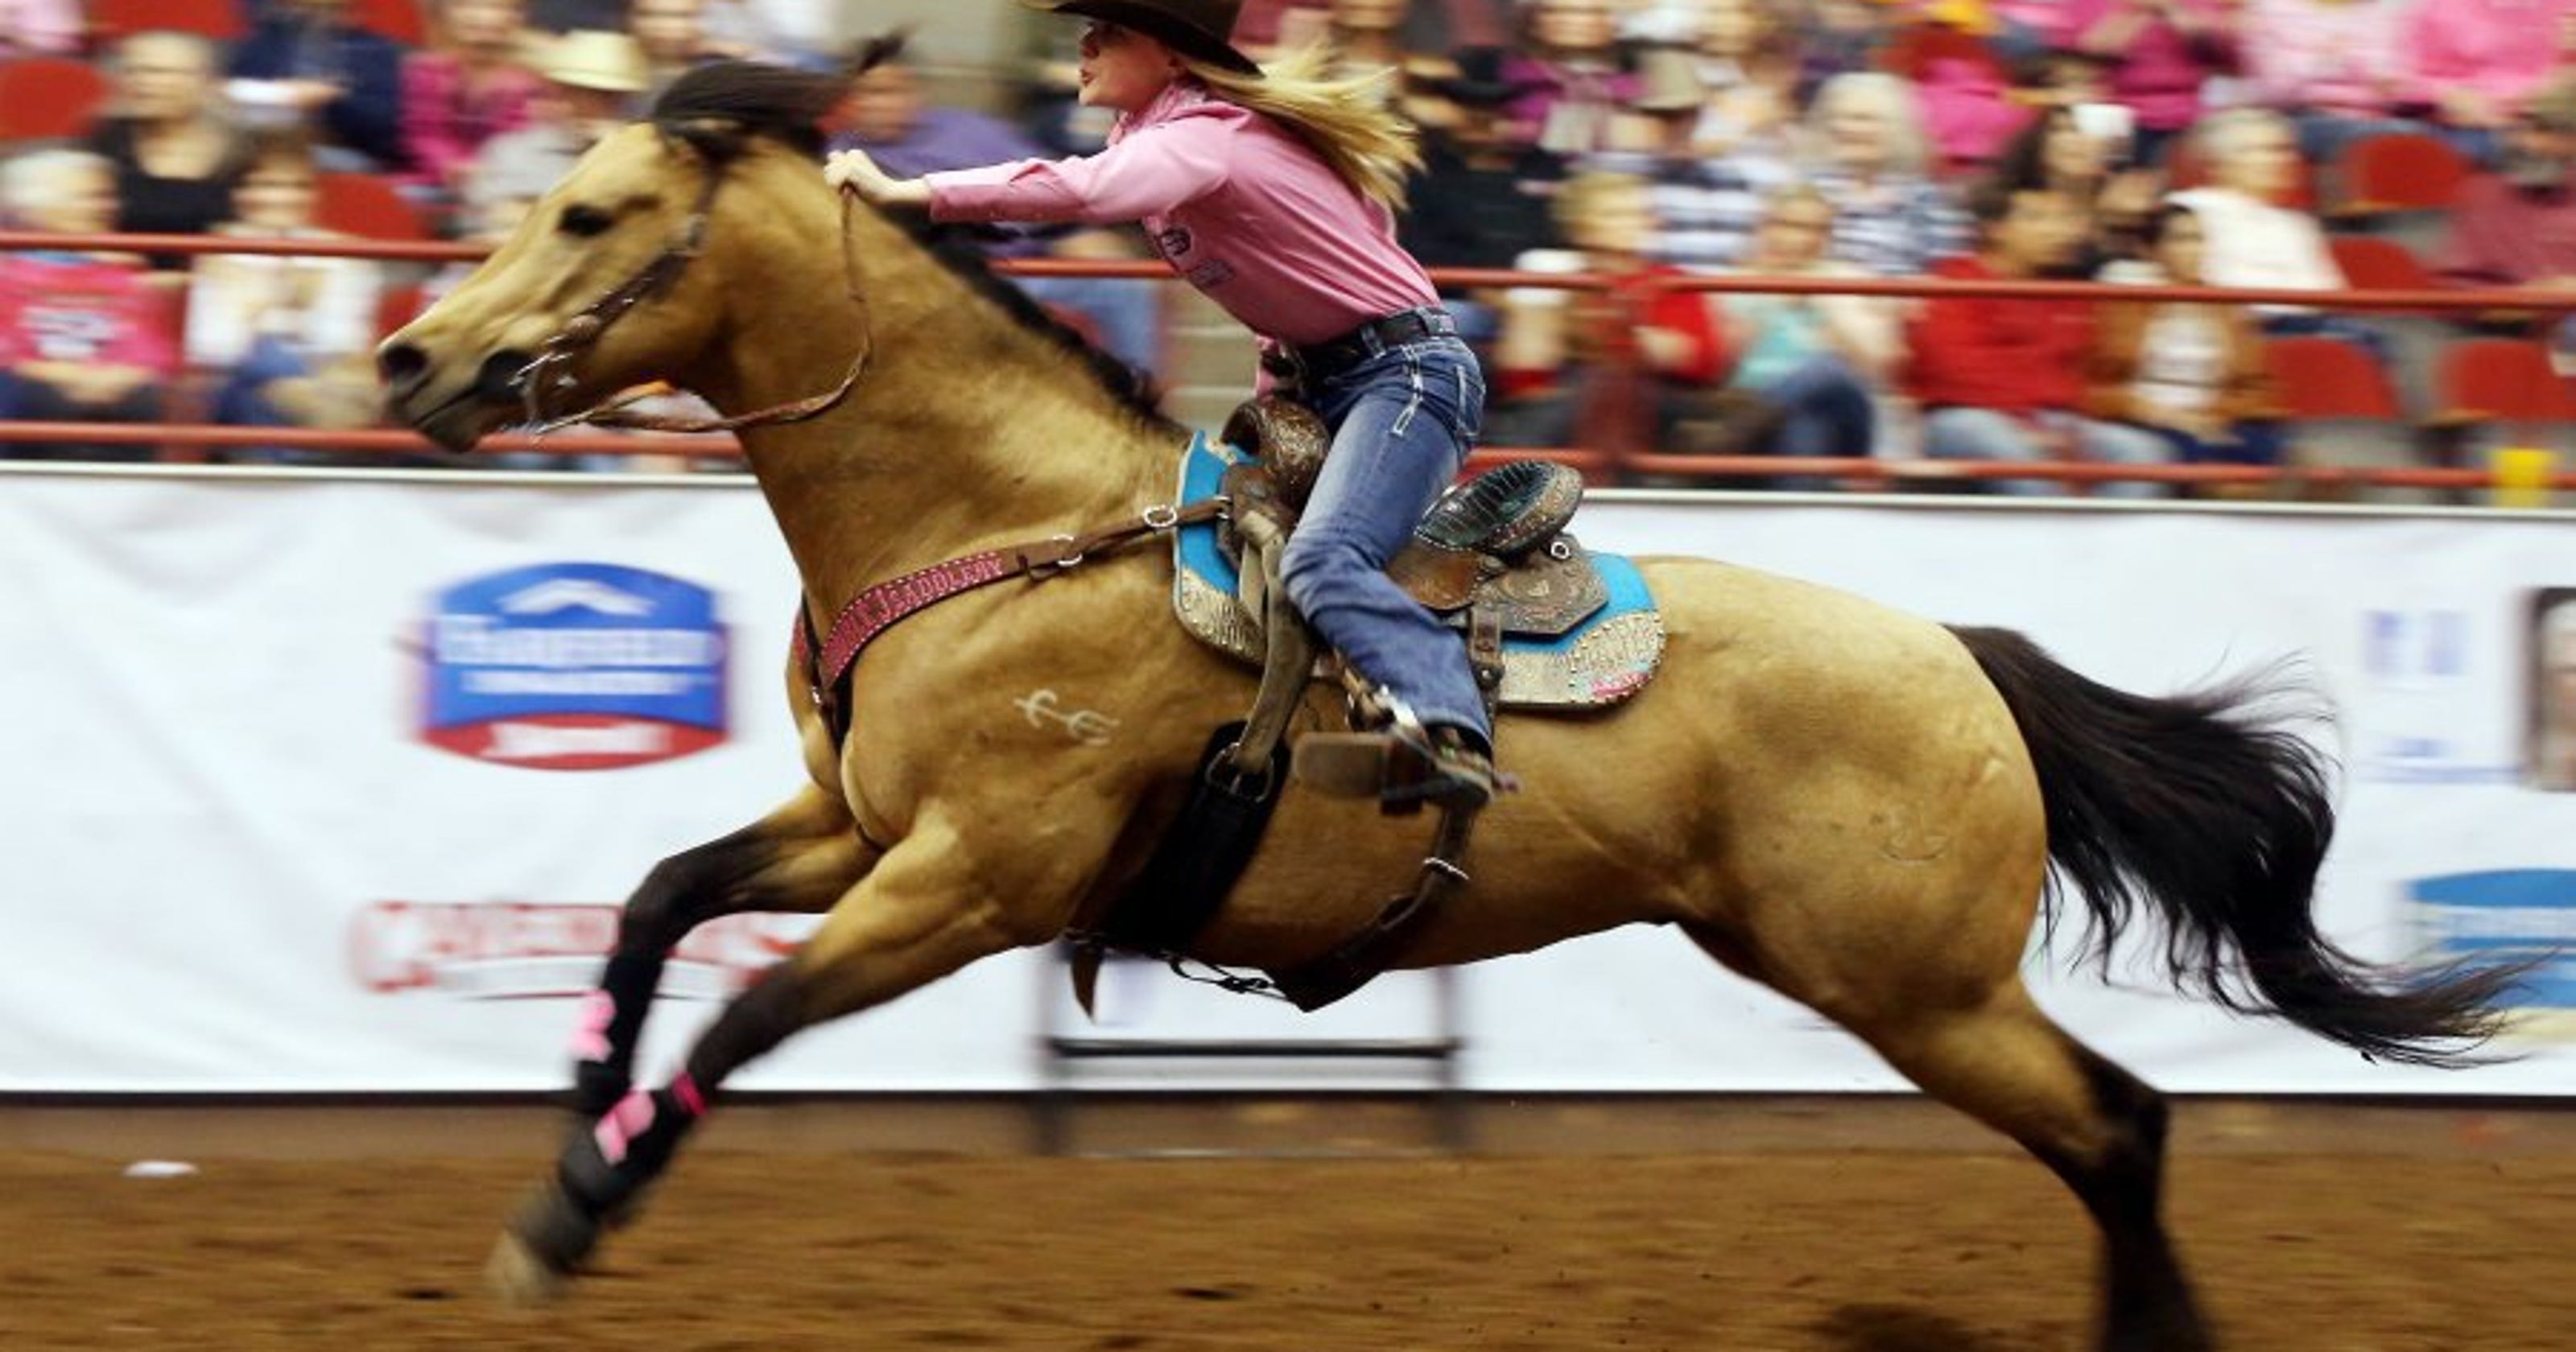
<point x="1985" y="434"/>
<point x="1402" y="420"/>
<point x="2481" y="146"/>
<point x="2247" y="443"/>
<point x="2318" y="324"/>
<point x="35" y="401"/>
<point x="1825" y="410"/>
<point x="243" y="401"/>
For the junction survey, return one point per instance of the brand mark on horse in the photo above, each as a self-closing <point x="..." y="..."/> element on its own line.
<point x="1082" y="725"/>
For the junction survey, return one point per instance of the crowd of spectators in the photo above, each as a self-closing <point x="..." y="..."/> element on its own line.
<point x="233" y="117"/>
<point x="2186" y="142"/>
<point x="1643" y="141"/>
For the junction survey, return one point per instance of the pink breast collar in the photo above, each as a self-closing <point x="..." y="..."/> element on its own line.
<point x="827" y="662"/>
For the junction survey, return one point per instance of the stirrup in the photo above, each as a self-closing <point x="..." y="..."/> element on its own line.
<point x="1403" y="766"/>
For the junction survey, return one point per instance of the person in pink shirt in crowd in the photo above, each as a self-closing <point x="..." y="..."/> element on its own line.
<point x="1575" y="84"/>
<point x="2160" y="53"/>
<point x="457" y="98"/>
<point x="1273" y="192"/>
<point x="84" y="337"/>
<point x="2517" y="225"/>
<point x="1969" y="110"/>
<point x="50" y="27"/>
<point x="2338" y="68"/>
<point x="2477" y="61"/>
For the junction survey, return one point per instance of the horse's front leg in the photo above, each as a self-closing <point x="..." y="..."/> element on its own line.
<point x="801" y="858"/>
<point x="928" y="909"/>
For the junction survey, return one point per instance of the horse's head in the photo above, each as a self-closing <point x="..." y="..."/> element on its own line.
<point x="620" y="275"/>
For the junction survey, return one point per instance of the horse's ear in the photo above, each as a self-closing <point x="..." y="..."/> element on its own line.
<point x="876" y="51"/>
<point x="718" y="139"/>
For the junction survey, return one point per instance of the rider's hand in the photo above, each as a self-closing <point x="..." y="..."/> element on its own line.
<point x="853" y="171"/>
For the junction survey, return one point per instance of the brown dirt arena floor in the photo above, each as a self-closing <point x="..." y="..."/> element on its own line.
<point x="1868" y="1226"/>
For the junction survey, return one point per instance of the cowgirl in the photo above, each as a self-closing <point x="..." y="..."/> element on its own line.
<point x="1273" y="192"/>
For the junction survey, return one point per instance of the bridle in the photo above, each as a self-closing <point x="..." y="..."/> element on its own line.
<point x="551" y="371"/>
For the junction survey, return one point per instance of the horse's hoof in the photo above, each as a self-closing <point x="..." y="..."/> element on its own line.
<point x="545" y="1243"/>
<point x="518" y="1277"/>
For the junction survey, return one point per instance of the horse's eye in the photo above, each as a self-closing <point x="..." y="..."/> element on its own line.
<point x="585" y="221"/>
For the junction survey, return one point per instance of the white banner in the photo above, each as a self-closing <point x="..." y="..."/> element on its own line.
<point x="333" y="784"/>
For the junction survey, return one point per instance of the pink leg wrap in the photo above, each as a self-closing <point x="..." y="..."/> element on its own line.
<point x="622" y="1125"/>
<point x="590" y="1040"/>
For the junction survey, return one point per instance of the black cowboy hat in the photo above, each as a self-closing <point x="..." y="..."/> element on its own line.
<point x="1203" y="29"/>
<point x="1478" y="80"/>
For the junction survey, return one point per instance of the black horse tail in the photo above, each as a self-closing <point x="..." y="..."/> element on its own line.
<point x="2210" y="808"/>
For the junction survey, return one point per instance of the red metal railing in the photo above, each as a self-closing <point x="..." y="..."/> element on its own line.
<point x="1609" y="460"/>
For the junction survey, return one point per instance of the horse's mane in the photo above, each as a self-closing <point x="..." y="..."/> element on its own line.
<point x="721" y="107"/>
<point x="957" y="251"/>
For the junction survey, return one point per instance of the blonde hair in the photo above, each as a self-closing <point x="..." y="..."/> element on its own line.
<point x="30" y="180"/>
<point x="1890" y="96"/>
<point x="1344" y="118"/>
<point x="2223" y="135"/>
<point x="1580" y="195"/>
<point x="1795" y="192"/>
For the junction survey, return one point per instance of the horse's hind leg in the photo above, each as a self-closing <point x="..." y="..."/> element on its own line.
<point x="800" y="858"/>
<point x="2102" y="1129"/>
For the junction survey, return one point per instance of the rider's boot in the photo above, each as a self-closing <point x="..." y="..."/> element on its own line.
<point x="1445" y="764"/>
<point x="1404" y="765"/>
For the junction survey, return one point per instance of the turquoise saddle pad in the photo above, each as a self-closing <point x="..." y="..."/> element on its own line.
<point x="1603" y="660"/>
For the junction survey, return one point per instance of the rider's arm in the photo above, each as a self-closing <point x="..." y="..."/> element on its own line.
<point x="1146" y="174"/>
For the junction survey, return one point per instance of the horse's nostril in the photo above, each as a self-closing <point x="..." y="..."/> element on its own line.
<point x="401" y="364"/>
<point x="499" y="378"/>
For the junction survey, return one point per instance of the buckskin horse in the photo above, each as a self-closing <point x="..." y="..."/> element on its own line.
<point x="1855" y="807"/>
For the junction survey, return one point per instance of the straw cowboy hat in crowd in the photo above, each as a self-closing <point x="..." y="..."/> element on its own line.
<point x="591" y="59"/>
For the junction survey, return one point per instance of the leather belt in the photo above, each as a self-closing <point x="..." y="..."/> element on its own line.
<point x="1336" y="355"/>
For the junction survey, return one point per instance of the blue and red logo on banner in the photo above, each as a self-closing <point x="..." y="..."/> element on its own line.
<point x="575" y="666"/>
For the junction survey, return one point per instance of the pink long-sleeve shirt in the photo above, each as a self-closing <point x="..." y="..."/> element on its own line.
<point x="2160" y="72"/>
<point x="1237" y="205"/>
<point x="445" y="123"/>
<point x="2503" y="49"/>
<point x="2335" y="56"/>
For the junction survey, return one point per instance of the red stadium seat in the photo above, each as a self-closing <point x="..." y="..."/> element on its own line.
<point x="399" y="305"/>
<point x="2377" y="263"/>
<point x="367" y="206"/>
<point x="44" y="98"/>
<point x="2319" y="379"/>
<point x="2397" y="171"/>
<point x="400" y="20"/>
<point x="111" y="20"/>
<point x="2498" y="380"/>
